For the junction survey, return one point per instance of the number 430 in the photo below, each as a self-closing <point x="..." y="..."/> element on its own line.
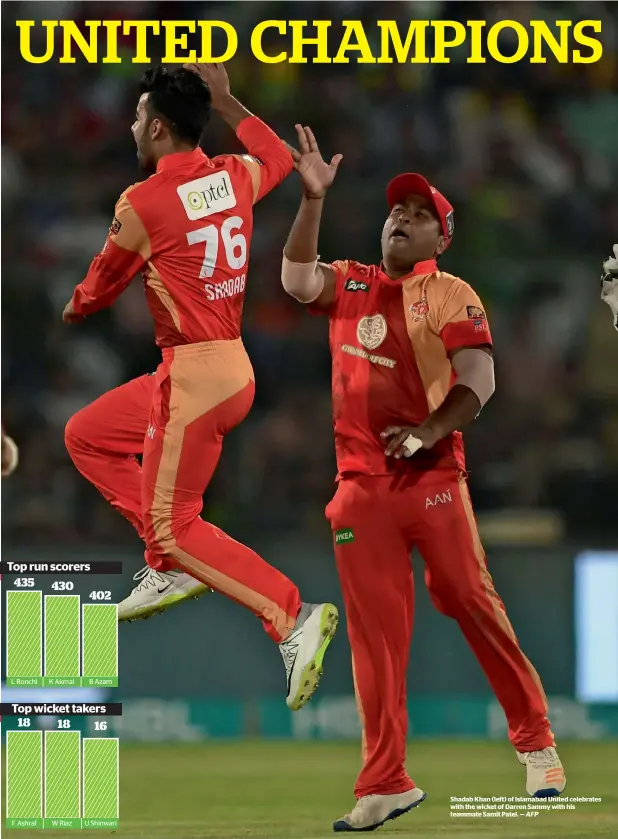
<point x="235" y="245"/>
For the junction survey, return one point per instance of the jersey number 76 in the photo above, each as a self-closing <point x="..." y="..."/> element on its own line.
<point x="235" y="245"/>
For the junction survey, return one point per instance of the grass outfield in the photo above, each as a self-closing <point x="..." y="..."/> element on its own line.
<point x="285" y="790"/>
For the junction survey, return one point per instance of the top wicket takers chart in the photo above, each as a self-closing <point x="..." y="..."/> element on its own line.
<point x="56" y="639"/>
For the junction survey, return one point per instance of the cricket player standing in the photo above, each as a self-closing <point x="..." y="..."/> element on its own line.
<point x="412" y="364"/>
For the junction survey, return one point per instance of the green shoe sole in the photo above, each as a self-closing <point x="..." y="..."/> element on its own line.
<point x="310" y="677"/>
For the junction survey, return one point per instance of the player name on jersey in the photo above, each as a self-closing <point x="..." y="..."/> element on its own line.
<point x="228" y="288"/>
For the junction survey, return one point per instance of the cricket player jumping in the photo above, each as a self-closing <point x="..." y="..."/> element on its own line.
<point x="187" y="229"/>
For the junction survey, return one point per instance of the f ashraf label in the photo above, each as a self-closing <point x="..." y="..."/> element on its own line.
<point x="208" y="195"/>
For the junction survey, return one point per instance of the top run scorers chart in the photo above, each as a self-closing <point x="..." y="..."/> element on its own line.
<point x="55" y="637"/>
<point x="60" y="666"/>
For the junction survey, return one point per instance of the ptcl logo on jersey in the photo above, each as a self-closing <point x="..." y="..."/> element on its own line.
<point x="208" y="195"/>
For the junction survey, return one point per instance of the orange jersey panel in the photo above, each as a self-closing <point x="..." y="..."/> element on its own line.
<point x="390" y="341"/>
<point x="199" y="216"/>
<point x="188" y="229"/>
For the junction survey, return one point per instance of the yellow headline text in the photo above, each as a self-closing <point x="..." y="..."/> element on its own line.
<point x="314" y="42"/>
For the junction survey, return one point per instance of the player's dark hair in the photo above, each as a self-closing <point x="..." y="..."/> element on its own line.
<point x="180" y="98"/>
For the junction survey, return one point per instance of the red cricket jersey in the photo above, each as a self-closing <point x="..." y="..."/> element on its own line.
<point x="187" y="229"/>
<point x="389" y="341"/>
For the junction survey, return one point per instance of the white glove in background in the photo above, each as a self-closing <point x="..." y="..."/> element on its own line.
<point x="609" y="284"/>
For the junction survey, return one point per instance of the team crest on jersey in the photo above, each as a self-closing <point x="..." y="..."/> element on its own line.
<point x="205" y="196"/>
<point x="419" y="310"/>
<point x="371" y="331"/>
<point x="114" y="228"/>
<point x="475" y="313"/>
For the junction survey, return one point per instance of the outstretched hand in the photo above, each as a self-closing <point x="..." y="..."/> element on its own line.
<point x="317" y="175"/>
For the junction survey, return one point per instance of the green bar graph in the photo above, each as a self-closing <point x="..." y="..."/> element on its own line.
<point x="100" y="782"/>
<point x="62" y="780"/>
<point x="24" y="656"/>
<point x="76" y="650"/>
<point x="100" y="645"/>
<point x="62" y="640"/>
<point x="24" y="777"/>
<point x="79" y="778"/>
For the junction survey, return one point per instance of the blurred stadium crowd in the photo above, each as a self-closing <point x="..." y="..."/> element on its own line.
<point x="528" y="154"/>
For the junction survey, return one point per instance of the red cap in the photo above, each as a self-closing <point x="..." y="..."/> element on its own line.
<point x="411" y="183"/>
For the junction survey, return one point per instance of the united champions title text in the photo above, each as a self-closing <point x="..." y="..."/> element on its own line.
<point x="313" y="42"/>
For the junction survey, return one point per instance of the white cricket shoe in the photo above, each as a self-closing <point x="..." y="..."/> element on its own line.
<point x="545" y="773"/>
<point x="157" y="591"/>
<point x="372" y="811"/>
<point x="303" y="651"/>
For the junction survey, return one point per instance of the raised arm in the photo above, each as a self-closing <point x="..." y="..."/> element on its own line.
<point x="273" y="161"/>
<point x="302" y="276"/>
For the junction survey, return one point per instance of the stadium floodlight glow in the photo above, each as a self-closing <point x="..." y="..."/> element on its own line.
<point x="596" y="626"/>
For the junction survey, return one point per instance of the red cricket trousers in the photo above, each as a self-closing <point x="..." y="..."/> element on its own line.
<point x="376" y="522"/>
<point x="177" y="420"/>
